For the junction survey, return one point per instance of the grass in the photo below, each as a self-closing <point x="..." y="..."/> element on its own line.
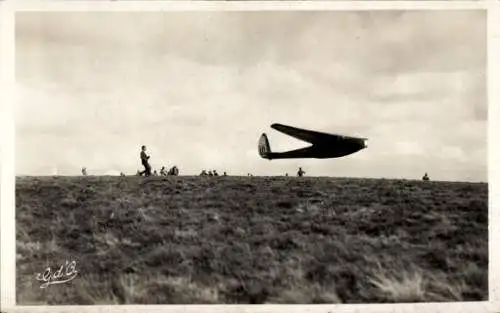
<point x="248" y="240"/>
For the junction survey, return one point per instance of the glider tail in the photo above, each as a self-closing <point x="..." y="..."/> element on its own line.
<point x="264" y="147"/>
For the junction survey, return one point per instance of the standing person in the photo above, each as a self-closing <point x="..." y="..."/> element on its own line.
<point x="300" y="173"/>
<point x="145" y="162"/>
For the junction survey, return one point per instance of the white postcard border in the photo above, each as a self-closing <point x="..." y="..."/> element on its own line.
<point x="7" y="93"/>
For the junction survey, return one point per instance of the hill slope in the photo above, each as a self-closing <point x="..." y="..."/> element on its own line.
<point x="252" y="240"/>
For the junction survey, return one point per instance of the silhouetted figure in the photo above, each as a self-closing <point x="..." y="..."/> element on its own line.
<point x="426" y="177"/>
<point x="175" y="170"/>
<point x="84" y="171"/>
<point x="210" y="173"/>
<point x="215" y="173"/>
<point x="163" y="171"/>
<point x="145" y="162"/>
<point x="225" y="174"/>
<point x="122" y="174"/>
<point x="300" y="173"/>
<point x="155" y="173"/>
<point x="286" y="174"/>
<point x="203" y="173"/>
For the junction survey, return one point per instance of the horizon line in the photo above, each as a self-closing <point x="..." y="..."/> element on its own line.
<point x="255" y="176"/>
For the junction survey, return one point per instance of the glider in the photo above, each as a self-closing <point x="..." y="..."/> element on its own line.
<point x="323" y="145"/>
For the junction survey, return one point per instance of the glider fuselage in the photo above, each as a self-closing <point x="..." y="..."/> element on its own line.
<point x="322" y="150"/>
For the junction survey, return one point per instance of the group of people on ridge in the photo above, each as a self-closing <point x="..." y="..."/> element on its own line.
<point x="211" y="173"/>
<point x="174" y="171"/>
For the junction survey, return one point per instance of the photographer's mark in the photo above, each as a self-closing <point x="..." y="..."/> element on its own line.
<point x="64" y="274"/>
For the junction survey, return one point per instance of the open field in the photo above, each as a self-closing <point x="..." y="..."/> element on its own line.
<point x="163" y="240"/>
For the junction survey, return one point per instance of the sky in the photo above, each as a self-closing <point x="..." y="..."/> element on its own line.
<point x="198" y="89"/>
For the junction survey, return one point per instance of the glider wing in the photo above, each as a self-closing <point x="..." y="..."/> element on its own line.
<point x="309" y="135"/>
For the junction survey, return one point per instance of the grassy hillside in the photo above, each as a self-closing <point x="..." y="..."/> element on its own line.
<point x="252" y="240"/>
